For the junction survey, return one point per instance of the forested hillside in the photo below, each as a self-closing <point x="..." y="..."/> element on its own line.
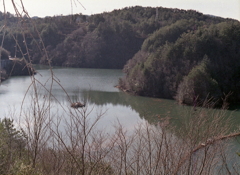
<point x="190" y="65"/>
<point x="104" y="40"/>
<point x="167" y="53"/>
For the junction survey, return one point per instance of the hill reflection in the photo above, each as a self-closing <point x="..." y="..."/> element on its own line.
<point x="148" y="108"/>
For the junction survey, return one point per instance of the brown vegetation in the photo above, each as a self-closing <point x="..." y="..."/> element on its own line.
<point x="49" y="142"/>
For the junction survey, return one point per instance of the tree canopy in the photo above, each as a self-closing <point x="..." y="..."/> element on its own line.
<point x="160" y="49"/>
<point x="199" y="63"/>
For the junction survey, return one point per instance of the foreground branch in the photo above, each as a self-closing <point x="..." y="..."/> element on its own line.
<point x="203" y="145"/>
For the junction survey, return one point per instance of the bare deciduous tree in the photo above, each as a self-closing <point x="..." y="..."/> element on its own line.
<point x="75" y="145"/>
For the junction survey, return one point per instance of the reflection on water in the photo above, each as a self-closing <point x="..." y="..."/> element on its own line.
<point x="96" y="87"/>
<point x="92" y="86"/>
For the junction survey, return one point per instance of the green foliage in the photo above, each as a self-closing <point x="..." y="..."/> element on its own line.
<point x="176" y="59"/>
<point x="163" y="45"/>
<point x="198" y="86"/>
<point x="49" y="35"/>
<point x="12" y="146"/>
<point x="108" y="40"/>
<point x="96" y="19"/>
<point x="168" y="33"/>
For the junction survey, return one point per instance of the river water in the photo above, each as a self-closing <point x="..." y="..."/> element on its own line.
<point x="95" y="88"/>
<point x="92" y="86"/>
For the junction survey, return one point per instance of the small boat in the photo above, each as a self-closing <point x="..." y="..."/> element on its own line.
<point x="77" y="105"/>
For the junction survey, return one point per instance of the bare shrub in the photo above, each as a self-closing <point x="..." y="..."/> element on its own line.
<point x="71" y="143"/>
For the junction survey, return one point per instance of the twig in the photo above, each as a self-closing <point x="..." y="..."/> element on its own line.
<point x="203" y="145"/>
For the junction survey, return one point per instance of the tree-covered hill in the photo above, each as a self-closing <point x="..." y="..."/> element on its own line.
<point x="167" y="53"/>
<point x="106" y="40"/>
<point x="188" y="64"/>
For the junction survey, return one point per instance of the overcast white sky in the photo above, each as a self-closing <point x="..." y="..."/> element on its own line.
<point x="42" y="8"/>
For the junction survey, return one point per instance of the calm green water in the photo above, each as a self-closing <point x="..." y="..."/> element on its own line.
<point x="92" y="86"/>
<point x="96" y="88"/>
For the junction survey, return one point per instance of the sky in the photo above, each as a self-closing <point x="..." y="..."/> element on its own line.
<point x="42" y="8"/>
